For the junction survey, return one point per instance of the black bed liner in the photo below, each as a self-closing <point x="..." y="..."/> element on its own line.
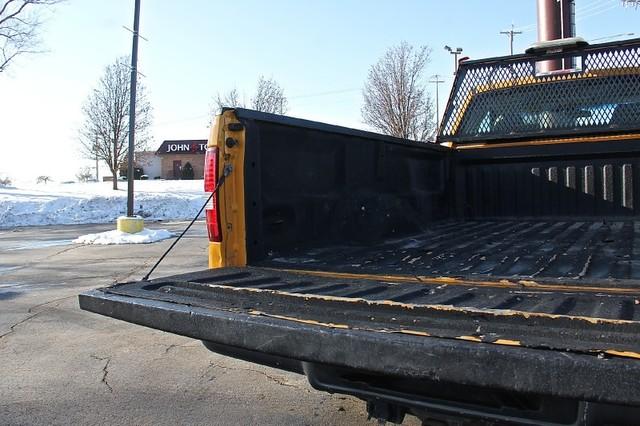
<point x="576" y="336"/>
<point x="573" y="251"/>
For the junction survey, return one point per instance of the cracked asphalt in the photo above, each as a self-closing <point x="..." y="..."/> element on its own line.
<point x="61" y="365"/>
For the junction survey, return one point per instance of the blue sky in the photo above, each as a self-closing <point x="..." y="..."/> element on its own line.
<point x="319" y="51"/>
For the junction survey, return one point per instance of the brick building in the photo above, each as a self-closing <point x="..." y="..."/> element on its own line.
<point x="149" y="162"/>
<point x="177" y="155"/>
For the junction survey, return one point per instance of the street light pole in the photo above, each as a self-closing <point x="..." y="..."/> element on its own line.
<point x="455" y="52"/>
<point x="132" y="107"/>
<point x="436" y="80"/>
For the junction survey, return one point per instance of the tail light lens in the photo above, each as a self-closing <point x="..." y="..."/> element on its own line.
<point x="210" y="169"/>
<point x="210" y="182"/>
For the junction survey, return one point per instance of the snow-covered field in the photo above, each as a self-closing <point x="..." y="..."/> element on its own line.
<point x="95" y="202"/>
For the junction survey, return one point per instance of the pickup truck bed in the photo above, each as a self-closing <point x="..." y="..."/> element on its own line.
<point x="513" y="306"/>
<point x="495" y="276"/>
<point x="573" y="343"/>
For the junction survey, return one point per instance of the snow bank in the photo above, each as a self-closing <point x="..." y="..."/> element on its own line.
<point x="117" y="237"/>
<point x="96" y="202"/>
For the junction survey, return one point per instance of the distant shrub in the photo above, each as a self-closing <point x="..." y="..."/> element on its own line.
<point x="43" y="179"/>
<point x="84" y="174"/>
<point x="187" y="171"/>
<point x="5" y="181"/>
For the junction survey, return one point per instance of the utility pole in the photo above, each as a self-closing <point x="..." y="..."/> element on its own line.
<point x="132" y="107"/>
<point x="511" y="34"/>
<point x="436" y="80"/>
<point x="455" y="52"/>
<point x="96" y="152"/>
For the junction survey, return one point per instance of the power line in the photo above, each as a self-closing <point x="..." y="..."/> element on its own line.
<point x="511" y="34"/>
<point x="527" y="28"/>
<point x="309" y="95"/>
<point x="594" y="6"/>
<point x="131" y="31"/>
<point x="180" y="120"/>
<point x="330" y="92"/>
<point x="586" y="9"/>
<point x="612" y="36"/>
<point x="597" y="12"/>
<point x="591" y="4"/>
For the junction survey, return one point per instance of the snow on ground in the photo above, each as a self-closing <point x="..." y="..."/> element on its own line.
<point x="119" y="237"/>
<point x="95" y="202"/>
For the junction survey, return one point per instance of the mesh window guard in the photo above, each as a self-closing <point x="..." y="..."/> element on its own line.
<point x="595" y="89"/>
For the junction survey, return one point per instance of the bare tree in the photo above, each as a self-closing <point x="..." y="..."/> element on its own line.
<point x="20" y="21"/>
<point x="43" y="179"/>
<point x="85" y="174"/>
<point x="105" y="131"/>
<point x="230" y="99"/>
<point x="269" y="97"/>
<point x="395" y="99"/>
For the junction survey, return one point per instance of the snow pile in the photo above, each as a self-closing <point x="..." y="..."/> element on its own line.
<point x="96" y="202"/>
<point x="118" y="237"/>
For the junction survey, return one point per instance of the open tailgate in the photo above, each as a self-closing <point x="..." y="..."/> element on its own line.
<point x="410" y="329"/>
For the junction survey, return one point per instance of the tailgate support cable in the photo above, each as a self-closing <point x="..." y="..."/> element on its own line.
<point x="226" y="172"/>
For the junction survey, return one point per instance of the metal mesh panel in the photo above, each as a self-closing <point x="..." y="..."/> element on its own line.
<point x="510" y="98"/>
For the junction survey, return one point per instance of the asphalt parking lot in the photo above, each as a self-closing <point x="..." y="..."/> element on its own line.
<point x="61" y="365"/>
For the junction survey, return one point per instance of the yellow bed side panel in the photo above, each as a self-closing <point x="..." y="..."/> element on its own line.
<point x="232" y="250"/>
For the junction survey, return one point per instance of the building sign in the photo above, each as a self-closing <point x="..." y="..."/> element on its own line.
<point x="183" y="147"/>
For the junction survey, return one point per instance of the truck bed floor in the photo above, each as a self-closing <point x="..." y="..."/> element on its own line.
<point x="571" y="251"/>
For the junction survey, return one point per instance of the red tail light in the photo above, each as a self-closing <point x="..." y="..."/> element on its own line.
<point x="210" y="182"/>
<point x="210" y="169"/>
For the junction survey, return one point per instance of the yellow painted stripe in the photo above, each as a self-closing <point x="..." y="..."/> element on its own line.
<point x="304" y="321"/>
<point x="496" y="313"/>
<point x="507" y="342"/>
<point x="502" y="342"/>
<point x="554" y="141"/>
<point x="626" y="354"/>
<point x="470" y="339"/>
<point x="520" y="285"/>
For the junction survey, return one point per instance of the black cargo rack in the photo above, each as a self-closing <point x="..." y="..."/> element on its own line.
<point x="594" y="89"/>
